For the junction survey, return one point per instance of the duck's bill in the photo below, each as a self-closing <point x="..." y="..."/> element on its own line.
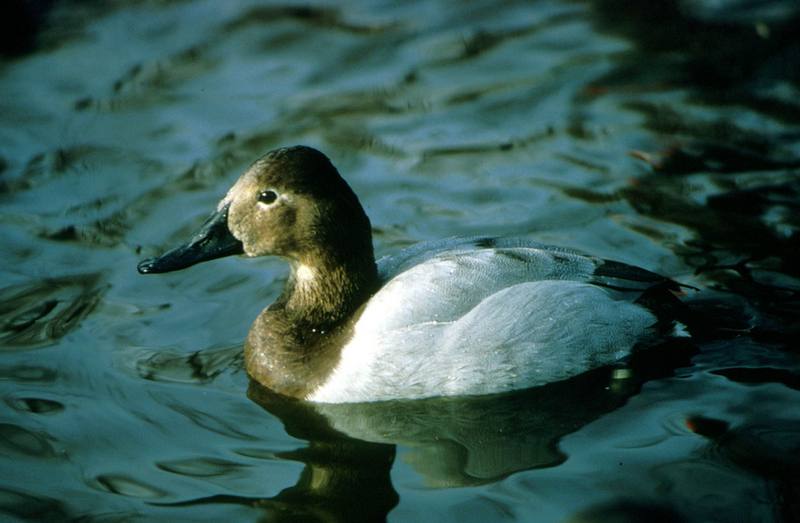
<point x="213" y="240"/>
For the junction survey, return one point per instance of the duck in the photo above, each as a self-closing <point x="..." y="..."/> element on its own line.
<point x="463" y="316"/>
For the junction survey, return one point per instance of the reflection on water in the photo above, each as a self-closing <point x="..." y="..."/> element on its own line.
<point x="471" y="441"/>
<point x="450" y="442"/>
<point x="663" y="134"/>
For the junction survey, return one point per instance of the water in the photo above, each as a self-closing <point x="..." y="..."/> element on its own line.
<point x="662" y="134"/>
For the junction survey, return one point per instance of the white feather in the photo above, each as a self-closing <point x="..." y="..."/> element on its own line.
<point x="483" y="321"/>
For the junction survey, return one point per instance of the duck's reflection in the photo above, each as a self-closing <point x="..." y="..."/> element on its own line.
<point x="448" y="441"/>
<point x="459" y="441"/>
<point x="344" y="479"/>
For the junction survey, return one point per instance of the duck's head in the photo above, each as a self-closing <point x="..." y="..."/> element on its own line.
<point x="291" y="202"/>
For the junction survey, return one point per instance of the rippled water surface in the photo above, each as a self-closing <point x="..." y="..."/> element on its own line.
<point x="664" y="134"/>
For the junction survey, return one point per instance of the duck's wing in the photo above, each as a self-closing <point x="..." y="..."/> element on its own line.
<point x="390" y="266"/>
<point x="442" y="281"/>
<point x="562" y="261"/>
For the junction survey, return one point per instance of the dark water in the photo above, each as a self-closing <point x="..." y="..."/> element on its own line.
<point x="664" y="134"/>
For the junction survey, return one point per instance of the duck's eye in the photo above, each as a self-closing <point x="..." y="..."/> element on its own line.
<point x="267" y="197"/>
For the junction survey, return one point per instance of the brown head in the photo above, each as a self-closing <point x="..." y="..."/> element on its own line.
<point x="291" y="202"/>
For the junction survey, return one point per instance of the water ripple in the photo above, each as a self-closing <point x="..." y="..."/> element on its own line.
<point x="19" y="440"/>
<point x="127" y="486"/>
<point x="38" y="313"/>
<point x="35" y="405"/>
<point x="198" y="367"/>
<point x="200" y="467"/>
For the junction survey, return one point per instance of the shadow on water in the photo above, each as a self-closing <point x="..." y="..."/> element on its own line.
<point x="732" y="184"/>
<point x="450" y="442"/>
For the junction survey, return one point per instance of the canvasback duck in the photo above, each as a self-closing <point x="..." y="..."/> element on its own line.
<point x="454" y="317"/>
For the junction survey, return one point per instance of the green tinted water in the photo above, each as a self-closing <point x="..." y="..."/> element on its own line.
<point x="664" y="135"/>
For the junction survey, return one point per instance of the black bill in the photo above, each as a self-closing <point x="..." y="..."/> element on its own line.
<point x="213" y="240"/>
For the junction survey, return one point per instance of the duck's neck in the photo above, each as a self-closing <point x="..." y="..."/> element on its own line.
<point x="295" y="343"/>
<point x="325" y="290"/>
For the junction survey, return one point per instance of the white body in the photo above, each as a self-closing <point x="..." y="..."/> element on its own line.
<point x="460" y="320"/>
